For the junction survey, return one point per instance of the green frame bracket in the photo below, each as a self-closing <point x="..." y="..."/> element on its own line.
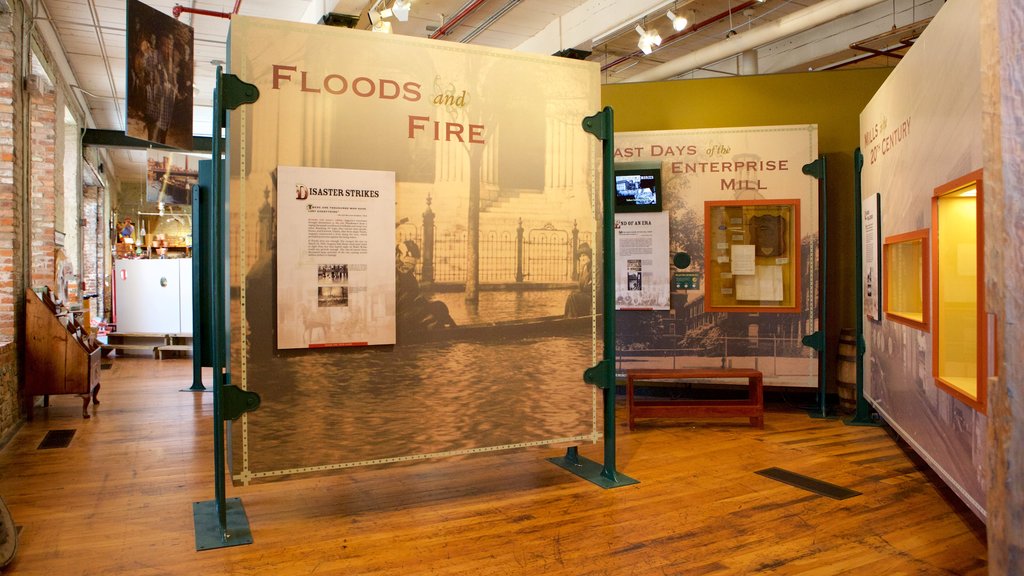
<point x="221" y="523"/>
<point x="602" y="125"/>
<point x="862" y="415"/>
<point x="817" y="341"/>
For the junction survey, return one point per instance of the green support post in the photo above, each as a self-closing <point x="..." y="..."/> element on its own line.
<point x="221" y="522"/>
<point x="862" y="415"/>
<point x="602" y="126"/>
<point x="817" y="340"/>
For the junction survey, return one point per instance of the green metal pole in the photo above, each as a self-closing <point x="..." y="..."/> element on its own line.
<point x="862" y="416"/>
<point x="218" y="340"/>
<point x="602" y="126"/>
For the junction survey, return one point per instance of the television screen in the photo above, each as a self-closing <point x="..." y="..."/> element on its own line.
<point x="638" y="190"/>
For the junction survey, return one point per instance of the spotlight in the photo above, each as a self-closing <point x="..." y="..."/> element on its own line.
<point x="679" y="23"/>
<point x="648" y="39"/>
<point x="383" y="26"/>
<point x="401" y="9"/>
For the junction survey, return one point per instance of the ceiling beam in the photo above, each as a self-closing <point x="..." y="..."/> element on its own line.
<point x="115" y="139"/>
<point x="591" y="21"/>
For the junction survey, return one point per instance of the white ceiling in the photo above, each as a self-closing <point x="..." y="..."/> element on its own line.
<point x="91" y="40"/>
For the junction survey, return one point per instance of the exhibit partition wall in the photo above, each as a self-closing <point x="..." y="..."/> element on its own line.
<point x="737" y="202"/>
<point x="415" y="238"/>
<point x="921" y="137"/>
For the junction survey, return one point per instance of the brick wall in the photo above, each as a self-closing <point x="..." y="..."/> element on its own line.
<point x="9" y="263"/>
<point x="91" y="273"/>
<point x="12" y="277"/>
<point x="43" y="181"/>
<point x="10" y="408"/>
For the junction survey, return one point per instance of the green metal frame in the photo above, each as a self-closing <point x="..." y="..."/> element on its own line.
<point x="817" y="341"/>
<point x="220" y="523"/>
<point x="114" y="139"/>
<point x="862" y="416"/>
<point x="602" y="125"/>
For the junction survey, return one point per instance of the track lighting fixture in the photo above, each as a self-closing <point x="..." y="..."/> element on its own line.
<point x="679" y="23"/>
<point x="401" y="9"/>
<point x="648" y="39"/>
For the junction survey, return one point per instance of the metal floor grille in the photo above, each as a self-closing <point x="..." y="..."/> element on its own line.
<point x="808" y="483"/>
<point x="56" y="439"/>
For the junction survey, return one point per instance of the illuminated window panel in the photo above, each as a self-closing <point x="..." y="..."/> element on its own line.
<point x="905" y="297"/>
<point x="959" y="332"/>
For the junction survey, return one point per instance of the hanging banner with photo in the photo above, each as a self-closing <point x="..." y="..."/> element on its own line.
<point x="335" y="277"/>
<point x="160" y="70"/>
<point x="170" y="177"/>
<point x="641" y="261"/>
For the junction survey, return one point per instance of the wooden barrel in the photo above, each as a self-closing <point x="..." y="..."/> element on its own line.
<point x="846" y="371"/>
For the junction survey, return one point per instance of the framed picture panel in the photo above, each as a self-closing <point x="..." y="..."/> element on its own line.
<point x="752" y="255"/>
<point x="905" y="269"/>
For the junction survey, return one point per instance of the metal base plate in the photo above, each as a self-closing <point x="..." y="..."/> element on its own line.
<point x="592" y="471"/>
<point x="208" y="532"/>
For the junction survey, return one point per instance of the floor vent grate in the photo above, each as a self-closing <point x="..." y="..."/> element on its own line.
<point x="808" y="483"/>
<point x="56" y="439"/>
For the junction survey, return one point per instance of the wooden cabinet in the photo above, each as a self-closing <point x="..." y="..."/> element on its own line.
<point x="58" y="359"/>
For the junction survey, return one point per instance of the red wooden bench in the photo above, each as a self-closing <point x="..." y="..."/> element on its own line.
<point x="751" y="407"/>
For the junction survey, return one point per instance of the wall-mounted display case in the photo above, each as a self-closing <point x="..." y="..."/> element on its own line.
<point x="752" y="256"/>
<point x="905" y="289"/>
<point x="959" y="332"/>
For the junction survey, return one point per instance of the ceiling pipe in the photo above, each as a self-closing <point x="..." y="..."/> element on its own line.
<point x="466" y="10"/>
<point x="754" y="38"/>
<point x="178" y="10"/>
<point x="490" y="21"/>
<point x="676" y="36"/>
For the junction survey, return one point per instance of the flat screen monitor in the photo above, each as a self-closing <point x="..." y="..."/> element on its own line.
<point x="638" y="190"/>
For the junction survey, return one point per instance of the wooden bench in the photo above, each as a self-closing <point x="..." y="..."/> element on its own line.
<point x="752" y="407"/>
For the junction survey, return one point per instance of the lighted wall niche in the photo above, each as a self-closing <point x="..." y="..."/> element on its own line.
<point x="905" y="297"/>
<point x="959" y="334"/>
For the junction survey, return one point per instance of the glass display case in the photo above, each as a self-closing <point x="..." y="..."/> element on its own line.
<point x="905" y="288"/>
<point x="959" y="329"/>
<point x="752" y="256"/>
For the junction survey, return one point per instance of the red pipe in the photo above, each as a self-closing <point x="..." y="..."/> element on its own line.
<point x="469" y="8"/>
<point x="178" y="10"/>
<point x="673" y="37"/>
<point x="238" y="4"/>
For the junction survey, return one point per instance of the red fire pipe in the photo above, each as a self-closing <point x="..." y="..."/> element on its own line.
<point x="466" y="11"/>
<point x="178" y="10"/>
<point x="673" y="37"/>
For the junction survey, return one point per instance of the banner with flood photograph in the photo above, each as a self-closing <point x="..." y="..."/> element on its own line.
<point x="749" y="173"/>
<point x="494" y="227"/>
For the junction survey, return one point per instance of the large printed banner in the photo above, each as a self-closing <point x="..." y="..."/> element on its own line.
<point x="750" y="174"/>
<point x="412" y="226"/>
<point x="913" y="142"/>
<point x="335" y="260"/>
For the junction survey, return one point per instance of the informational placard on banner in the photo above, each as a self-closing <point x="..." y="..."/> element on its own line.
<point x="872" y="280"/>
<point x="641" y="261"/>
<point x="335" y="267"/>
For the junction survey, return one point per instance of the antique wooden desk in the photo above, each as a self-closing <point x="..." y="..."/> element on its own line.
<point x="751" y="407"/>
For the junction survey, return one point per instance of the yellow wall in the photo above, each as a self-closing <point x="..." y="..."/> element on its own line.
<point x="832" y="100"/>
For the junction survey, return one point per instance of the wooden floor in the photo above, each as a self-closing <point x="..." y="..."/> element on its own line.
<point x="119" y="499"/>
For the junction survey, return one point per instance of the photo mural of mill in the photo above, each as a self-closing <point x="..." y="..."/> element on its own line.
<point x="494" y="225"/>
<point x="736" y="165"/>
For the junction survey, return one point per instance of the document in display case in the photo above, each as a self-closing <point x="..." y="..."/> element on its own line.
<point x="752" y="255"/>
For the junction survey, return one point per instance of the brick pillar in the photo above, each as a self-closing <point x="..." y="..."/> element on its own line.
<point x="9" y="264"/>
<point x="42" y="172"/>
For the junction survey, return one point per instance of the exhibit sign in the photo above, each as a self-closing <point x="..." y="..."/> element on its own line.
<point x="916" y="144"/>
<point x="334" y="262"/>
<point x="463" y="269"/>
<point x="871" y="234"/>
<point x="741" y="208"/>
<point x="641" y="261"/>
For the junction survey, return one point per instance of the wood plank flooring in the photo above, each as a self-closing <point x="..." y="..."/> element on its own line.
<point x="119" y="500"/>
